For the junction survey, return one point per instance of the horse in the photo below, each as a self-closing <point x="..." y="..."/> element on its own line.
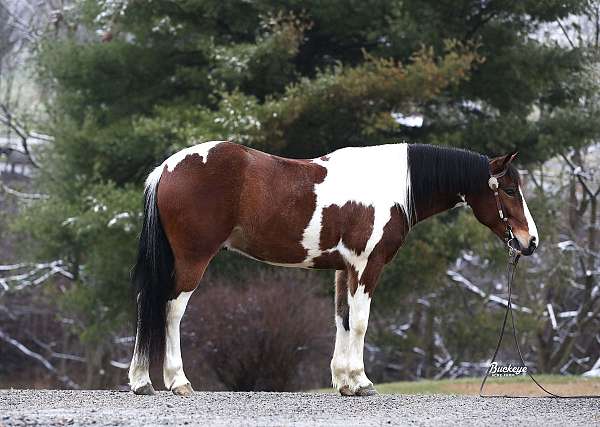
<point x="349" y="211"/>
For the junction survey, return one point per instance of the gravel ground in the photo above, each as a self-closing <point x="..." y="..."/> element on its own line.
<point x="110" y="408"/>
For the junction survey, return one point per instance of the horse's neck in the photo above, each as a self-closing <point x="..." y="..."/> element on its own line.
<point x="442" y="203"/>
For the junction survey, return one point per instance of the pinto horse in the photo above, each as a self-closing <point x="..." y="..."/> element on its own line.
<point x="349" y="211"/>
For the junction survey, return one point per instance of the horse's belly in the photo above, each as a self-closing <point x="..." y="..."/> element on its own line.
<point x="273" y="261"/>
<point x="281" y="250"/>
<point x="266" y="246"/>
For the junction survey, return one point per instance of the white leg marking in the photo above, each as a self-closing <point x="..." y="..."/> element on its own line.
<point x="139" y="374"/>
<point x="173" y="365"/>
<point x="339" y="361"/>
<point x="360" y="305"/>
<point x="530" y="223"/>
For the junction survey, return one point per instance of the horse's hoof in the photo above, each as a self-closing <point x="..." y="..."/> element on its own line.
<point x="146" y="389"/>
<point x="185" y="390"/>
<point x="366" y="391"/>
<point x="345" y="391"/>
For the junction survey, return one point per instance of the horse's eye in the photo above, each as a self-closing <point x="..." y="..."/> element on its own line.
<point x="511" y="192"/>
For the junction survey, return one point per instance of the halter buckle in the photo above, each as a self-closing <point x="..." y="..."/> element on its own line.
<point x="513" y="254"/>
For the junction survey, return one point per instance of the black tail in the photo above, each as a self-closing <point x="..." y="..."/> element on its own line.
<point x="153" y="278"/>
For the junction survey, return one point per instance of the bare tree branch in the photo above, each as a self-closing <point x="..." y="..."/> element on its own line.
<point x="41" y="359"/>
<point x="565" y="33"/>
<point x="19" y="25"/>
<point x="36" y="275"/>
<point x="8" y="119"/>
<point x="468" y="285"/>
<point x="577" y="172"/>
<point x="20" y="195"/>
<point x="55" y="354"/>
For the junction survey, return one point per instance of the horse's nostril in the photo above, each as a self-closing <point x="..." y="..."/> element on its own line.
<point x="533" y="242"/>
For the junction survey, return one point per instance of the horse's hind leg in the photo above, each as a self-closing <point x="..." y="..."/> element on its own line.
<point x="173" y="375"/>
<point x="139" y="374"/>
<point x="187" y="277"/>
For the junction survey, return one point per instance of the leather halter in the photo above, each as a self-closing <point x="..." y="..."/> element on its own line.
<point x="509" y="236"/>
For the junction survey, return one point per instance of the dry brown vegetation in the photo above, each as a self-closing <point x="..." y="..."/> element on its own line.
<point x="273" y="333"/>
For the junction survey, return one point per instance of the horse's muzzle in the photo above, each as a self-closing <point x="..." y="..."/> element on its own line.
<point x="529" y="249"/>
<point x="515" y="243"/>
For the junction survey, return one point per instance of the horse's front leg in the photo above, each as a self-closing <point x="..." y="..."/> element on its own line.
<point x="359" y="304"/>
<point x="353" y="302"/>
<point x="361" y="285"/>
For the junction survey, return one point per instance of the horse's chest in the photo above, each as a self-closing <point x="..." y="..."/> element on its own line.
<point x="348" y="219"/>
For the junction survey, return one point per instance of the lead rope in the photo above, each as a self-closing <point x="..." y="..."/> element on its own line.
<point x="514" y="256"/>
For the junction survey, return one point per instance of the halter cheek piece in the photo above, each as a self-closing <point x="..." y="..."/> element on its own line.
<point x="509" y="236"/>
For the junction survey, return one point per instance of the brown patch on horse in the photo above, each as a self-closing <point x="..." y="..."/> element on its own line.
<point x="276" y="202"/>
<point x="351" y="223"/>
<point x="384" y="251"/>
<point x="198" y="208"/>
<point x="325" y="158"/>
<point x="254" y="202"/>
<point x="352" y="279"/>
<point x="329" y="260"/>
<point x="341" y="297"/>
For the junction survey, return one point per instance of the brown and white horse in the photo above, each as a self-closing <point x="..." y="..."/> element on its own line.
<point x="349" y="211"/>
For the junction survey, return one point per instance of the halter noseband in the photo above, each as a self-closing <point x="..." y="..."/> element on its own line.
<point x="509" y="236"/>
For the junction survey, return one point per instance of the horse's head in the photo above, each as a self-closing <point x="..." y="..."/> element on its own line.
<point x="512" y="203"/>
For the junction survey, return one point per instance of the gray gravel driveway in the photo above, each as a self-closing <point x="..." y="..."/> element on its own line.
<point x="112" y="408"/>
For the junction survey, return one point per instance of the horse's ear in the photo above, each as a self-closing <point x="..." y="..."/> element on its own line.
<point x="498" y="164"/>
<point x="510" y="157"/>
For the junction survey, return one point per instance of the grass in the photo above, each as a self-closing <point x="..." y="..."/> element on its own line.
<point x="522" y="385"/>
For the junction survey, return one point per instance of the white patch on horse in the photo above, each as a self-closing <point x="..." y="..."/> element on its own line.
<point x="530" y="222"/>
<point x="171" y="163"/>
<point x="200" y="149"/>
<point x="173" y="374"/>
<point x="372" y="176"/>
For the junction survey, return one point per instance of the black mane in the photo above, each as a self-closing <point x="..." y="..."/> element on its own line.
<point x="435" y="170"/>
